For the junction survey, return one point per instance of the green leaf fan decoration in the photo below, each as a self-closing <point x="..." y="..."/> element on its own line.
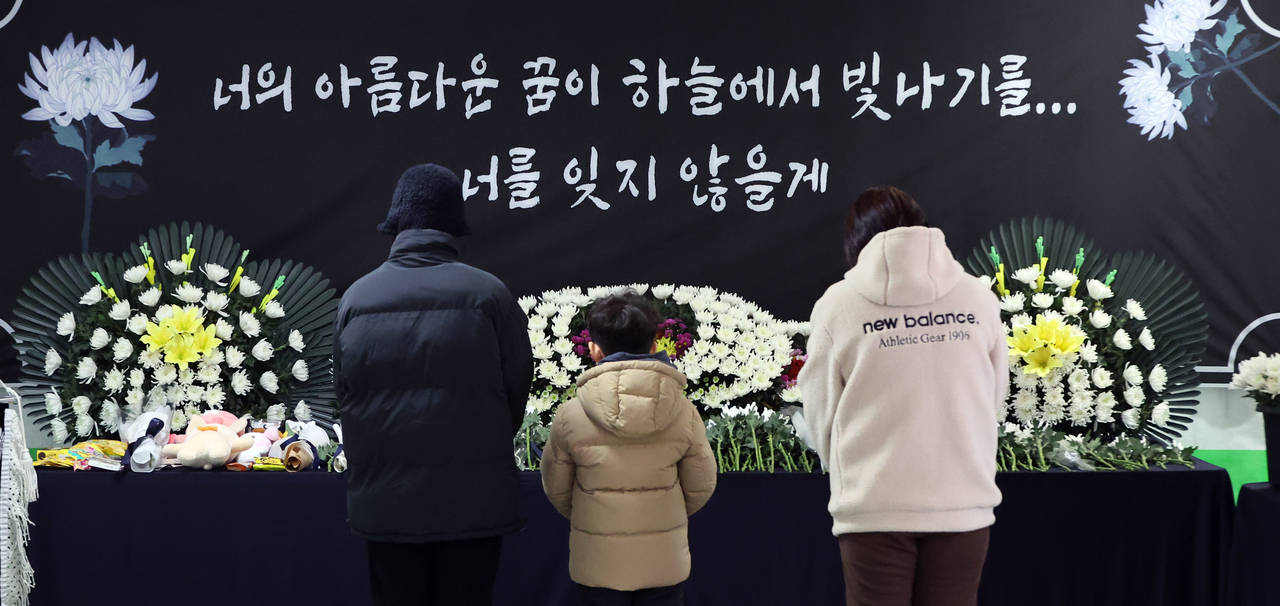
<point x="1171" y="319"/>
<point x="204" y="330"/>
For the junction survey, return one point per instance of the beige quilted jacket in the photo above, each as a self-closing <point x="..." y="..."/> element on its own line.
<point x="628" y="463"/>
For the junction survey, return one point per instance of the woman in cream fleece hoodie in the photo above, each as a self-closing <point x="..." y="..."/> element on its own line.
<point x="907" y="364"/>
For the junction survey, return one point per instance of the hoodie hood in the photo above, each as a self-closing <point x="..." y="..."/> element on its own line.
<point x="631" y="399"/>
<point x="905" y="266"/>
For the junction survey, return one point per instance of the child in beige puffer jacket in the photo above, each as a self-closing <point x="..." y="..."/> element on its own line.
<point x="628" y="462"/>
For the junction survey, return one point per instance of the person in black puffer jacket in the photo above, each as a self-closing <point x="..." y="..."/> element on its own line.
<point x="432" y="368"/>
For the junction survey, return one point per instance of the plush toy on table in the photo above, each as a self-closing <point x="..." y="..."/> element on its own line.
<point x="300" y="451"/>
<point x="146" y="435"/>
<point x="212" y="440"/>
<point x="262" y="441"/>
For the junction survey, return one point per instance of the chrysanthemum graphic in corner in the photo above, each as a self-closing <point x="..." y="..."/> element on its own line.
<point x="84" y="90"/>
<point x="1190" y="38"/>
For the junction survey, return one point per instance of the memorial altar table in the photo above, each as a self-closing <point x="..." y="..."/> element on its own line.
<point x="1156" y="537"/>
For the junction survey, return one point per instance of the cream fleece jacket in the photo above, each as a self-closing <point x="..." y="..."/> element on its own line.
<point x="907" y="364"/>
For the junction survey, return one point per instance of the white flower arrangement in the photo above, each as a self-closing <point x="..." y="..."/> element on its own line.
<point x="1074" y="364"/>
<point x="131" y="350"/>
<point x="1259" y="378"/>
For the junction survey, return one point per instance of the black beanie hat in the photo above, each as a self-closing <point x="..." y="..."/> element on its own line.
<point x="427" y="197"/>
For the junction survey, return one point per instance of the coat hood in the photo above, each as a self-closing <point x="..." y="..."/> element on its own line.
<point x="633" y="398"/>
<point x="905" y="266"/>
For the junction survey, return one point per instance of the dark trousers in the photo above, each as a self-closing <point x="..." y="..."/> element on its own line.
<point x="448" y="573"/>
<point x="913" y="568"/>
<point x="657" y="596"/>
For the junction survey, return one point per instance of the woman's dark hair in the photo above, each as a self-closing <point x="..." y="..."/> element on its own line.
<point x="878" y="209"/>
<point x="623" y="323"/>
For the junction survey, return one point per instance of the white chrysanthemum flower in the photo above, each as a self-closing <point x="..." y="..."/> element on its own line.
<point x="176" y="267"/>
<point x="1028" y="275"/>
<point x="86" y="370"/>
<point x="536" y="337"/>
<point x="214" y="397"/>
<point x="706" y="331"/>
<point x="92" y="297"/>
<point x="122" y="350"/>
<point x="275" y="413"/>
<point x="1158" y="378"/>
<point x="1122" y="340"/>
<point x="1099" y="291"/>
<point x="302" y="412"/>
<point x="1072" y="306"/>
<point x="987" y="281"/>
<point x="538" y="323"/>
<point x="166" y="374"/>
<point x="1025" y="405"/>
<point x="269" y="381"/>
<point x="213" y="356"/>
<point x="263" y="351"/>
<point x="76" y="81"/>
<point x="1160" y="414"/>
<point x="1043" y="300"/>
<point x="249" y="288"/>
<point x="662" y="291"/>
<point x="137" y="324"/>
<point x="295" y="341"/>
<point x="300" y="371"/>
<point x="561" y="379"/>
<point x="572" y="363"/>
<point x="52" y="403"/>
<point x="186" y="376"/>
<point x="80" y="405"/>
<point x="113" y="380"/>
<point x="547" y="369"/>
<point x="249" y="325"/>
<point x="727" y="335"/>
<point x="546" y="309"/>
<point x="1132" y="418"/>
<point x="164" y="312"/>
<point x="640" y="288"/>
<point x="178" y="422"/>
<point x="1132" y="375"/>
<point x="1100" y="319"/>
<point x="67" y="325"/>
<point x="274" y="310"/>
<point x="1078" y="379"/>
<point x="1104" y="405"/>
<point x="120" y="311"/>
<point x="1134" y="396"/>
<point x="1135" y="310"/>
<point x="1089" y="353"/>
<point x="109" y="416"/>
<point x="135" y="398"/>
<point x="1102" y="378"/>
<point x="235" y="357"/>
<point x="208" y="373"/>
<point x="52" y="362"/>
<point x="135" y="274"/>
<point x="1024" y="380"/>
<point x="1146" y="340"/>
<point x="543" y="351"/>
<point x="223" y="330"/>
<point x="1062" y="278"/>
<point x="84" y="426"/>
<point x="682" y="297"/>
<point x="189" y="293"/>
<point x="560" y="329"/>
<point x="216" y="273"/>
<point x="137" y="377"/>
<point x="527" y="304"/>
<point x="59" y="430"/>
<point x="1172" y="25"/>
<point x="1152" y="106"/>
<point x="151" y="358"/>
<point x="100" y="338"/>
<point x="216" y="302"/>
<point x="157" y="398"/>
<point x="563" y="347"/>
<point x="1014" y="302"/>
<point x="150" y="297"/>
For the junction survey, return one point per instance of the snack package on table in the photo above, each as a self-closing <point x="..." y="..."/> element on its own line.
<point x="101" y="454"/>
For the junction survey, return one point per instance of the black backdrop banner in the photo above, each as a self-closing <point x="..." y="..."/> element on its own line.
<point x="708" y="144"/>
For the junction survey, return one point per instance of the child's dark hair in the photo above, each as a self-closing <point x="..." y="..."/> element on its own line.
<point x="623" y="323"/>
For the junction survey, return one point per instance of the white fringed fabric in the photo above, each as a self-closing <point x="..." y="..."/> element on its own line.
<point x="17" y="490"/>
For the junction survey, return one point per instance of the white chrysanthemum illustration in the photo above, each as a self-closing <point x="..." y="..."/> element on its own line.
<point x="1151" y="104"/>
<point x="1173" y="24"/>
<point x="87" y="79"/>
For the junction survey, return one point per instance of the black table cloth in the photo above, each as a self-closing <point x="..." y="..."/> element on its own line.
<point x="1255" y="551"/>
<point x="1131" y="538"/>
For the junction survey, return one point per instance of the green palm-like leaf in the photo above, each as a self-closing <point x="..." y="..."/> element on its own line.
<point x="1172" y="304"/>
<point x="56" y="289"/>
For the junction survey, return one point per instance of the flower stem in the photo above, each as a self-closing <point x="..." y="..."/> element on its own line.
<point x="88" y="184"/>
<point x="1234" y="67"/>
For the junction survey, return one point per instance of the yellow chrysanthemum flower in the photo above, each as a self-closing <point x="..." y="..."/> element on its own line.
<point x="667" y="345"/>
